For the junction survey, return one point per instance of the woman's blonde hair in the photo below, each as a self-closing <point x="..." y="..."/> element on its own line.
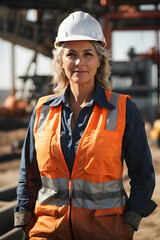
<point x="60" y="81"/>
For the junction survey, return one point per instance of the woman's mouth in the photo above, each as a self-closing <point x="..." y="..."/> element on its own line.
<point x="79" y="71"/>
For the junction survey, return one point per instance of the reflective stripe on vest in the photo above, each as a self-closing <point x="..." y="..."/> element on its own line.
<point x="54" y="191"/>
<point x="84" y="194"/>
<point x="43" y="117"/>
<point x="112" y="114"/>
<point x="108" y="194"/>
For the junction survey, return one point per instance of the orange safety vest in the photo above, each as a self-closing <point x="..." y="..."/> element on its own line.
<point x="90" y="203"/>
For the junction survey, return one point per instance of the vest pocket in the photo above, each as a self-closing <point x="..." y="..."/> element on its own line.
<point x="104" y="153"/>
<point x="43" y="150"/>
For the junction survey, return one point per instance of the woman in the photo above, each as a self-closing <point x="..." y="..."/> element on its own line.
<point x="70" y="182"/>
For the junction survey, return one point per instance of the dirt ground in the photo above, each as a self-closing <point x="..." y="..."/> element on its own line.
<point x="9" y="168"/>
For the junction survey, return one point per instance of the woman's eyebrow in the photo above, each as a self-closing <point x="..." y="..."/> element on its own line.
<point x="87" y="50"/>
<point x="71" y="50"/>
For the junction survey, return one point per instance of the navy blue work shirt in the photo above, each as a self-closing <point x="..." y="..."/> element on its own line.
<point x="135" y="151"/>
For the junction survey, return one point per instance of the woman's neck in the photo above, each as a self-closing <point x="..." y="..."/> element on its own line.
<point x="81" y="95"/>
<point x="78" y="98"/>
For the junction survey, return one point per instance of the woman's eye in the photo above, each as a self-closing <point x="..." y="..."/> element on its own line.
<point x="88" y="54"/>
<point x="71" y="54"/>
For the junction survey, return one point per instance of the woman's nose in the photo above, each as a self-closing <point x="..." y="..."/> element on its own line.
<point x="79" y="61"/>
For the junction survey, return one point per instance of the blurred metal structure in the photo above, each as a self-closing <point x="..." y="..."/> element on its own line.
<point x="39" y="34"/>
<point x="131" y="17"/>
<point x="134" y="78"/>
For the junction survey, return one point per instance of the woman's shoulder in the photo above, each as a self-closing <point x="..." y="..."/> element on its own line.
<point x="132" y="112"/>
<point x="45" y="99"/>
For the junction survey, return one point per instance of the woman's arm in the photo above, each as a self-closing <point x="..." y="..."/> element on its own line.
<point x="140" y="168"/>
<point x="29" y="179"/>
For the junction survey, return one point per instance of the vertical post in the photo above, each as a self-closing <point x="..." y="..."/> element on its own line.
<point x="107" y="29"/>
<point x="13" y="69"/>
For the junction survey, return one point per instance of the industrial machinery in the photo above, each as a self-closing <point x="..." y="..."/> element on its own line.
<point x="38" y="33"/>
<point x="135" y="77"/>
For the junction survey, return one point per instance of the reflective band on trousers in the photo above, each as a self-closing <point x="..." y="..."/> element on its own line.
<point x="109" y="194"/>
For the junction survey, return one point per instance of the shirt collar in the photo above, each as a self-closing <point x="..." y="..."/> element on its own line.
<point x="54" y="100"/>
<point x="99" y="97"/>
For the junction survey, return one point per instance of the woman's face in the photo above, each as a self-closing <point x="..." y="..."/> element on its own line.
<point x="80" y="61"/>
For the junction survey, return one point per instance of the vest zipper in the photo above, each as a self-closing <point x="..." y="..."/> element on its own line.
<point x="70" y="210"/>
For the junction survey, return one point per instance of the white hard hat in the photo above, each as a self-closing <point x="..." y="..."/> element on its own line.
<point x="80" y="26"/>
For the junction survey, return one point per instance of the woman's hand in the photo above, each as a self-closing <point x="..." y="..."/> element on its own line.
<point x="130" y="230"/>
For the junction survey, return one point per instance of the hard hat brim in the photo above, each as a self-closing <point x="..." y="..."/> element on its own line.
<point x="77" y="38"/>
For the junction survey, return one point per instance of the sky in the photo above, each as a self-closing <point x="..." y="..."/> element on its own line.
<point x="122" y="41"/>
<point x="23" y="57"/>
